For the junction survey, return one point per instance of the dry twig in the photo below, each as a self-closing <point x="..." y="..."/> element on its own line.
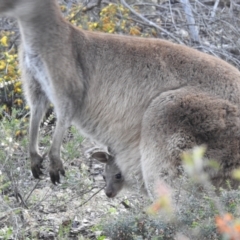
<point x="190" y="20"/>
<point x="152" y="24"/>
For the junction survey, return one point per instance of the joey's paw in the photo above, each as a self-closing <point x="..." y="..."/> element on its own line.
<point x="56" y="169"/>
<point x="36" y="165"/>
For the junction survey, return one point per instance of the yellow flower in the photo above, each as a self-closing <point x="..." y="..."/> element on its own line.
<point x="11" y="70"/>
<point x="106" y="19"/>
<point x="17" y="84"/>
<point x="10" y="58"/>
<point x="108" y="27"/>
<point x="18" y="133"/>
<point x="63" y="8"/>
<point x="4" y="41"/>
<point x="18" y="101"/>
<point x="236" y="173"/>
<point x="104" y="10"/>
<point x="5" y="107"/>
<point x="111" y="30"/>
<point x="18" y="90"/>
<point x="2" y="65"/>
<point x="135" y="31"/>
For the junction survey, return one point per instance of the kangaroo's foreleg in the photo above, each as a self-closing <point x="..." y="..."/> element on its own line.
<point x="56" y="165"/>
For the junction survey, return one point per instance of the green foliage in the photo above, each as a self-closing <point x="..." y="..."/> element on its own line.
<point x="194" y="217"/>
<point x="10" y="126"/>
<point x="64" y="230"/>
<point x="6" y="233"/>
<point x="72" y="147"/>
<point x="131" y="226"/>
<point x="198" y="213"/>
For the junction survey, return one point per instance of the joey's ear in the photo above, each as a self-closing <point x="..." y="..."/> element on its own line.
<point x="109" y="150"/>
<point x="102" y="157"/>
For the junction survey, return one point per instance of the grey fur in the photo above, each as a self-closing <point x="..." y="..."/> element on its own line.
<point x="144" y="98"/>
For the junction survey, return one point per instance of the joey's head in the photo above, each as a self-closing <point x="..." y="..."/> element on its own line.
<point x="112" y="175"/>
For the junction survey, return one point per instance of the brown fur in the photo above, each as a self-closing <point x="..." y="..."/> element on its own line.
<point x="117" y="90"/>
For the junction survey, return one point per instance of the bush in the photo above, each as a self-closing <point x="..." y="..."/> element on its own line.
<point x="196" y="213"/>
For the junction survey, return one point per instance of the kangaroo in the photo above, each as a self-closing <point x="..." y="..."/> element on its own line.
<point x="120" y="91"/>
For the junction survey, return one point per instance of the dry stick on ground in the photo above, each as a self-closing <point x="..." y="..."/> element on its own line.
<point x="87" y="8"/>
<point x="152" y="24"/>
<point x="170" y="8"/>
<point x="14" y="185"/>
<point x="190" y="20"/>
<point x="151" y="5"/>
<point x="76" y="197"/>
<point x="19" y="196"/>
<point x="214" y="10"/>
<point x="32" y="190"/>
<point x="91" y="197"/>
<point x="91" y="5"/>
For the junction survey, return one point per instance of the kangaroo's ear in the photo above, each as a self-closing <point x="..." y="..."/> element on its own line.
<point x="102" y="157"/>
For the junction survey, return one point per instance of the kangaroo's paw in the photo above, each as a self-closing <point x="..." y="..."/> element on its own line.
<point x="36" y="165"/>
<point x="56" y="168"/>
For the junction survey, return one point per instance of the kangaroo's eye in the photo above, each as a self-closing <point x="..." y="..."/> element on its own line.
<point x="104" y="178"/>
<point x="118" y="176"/>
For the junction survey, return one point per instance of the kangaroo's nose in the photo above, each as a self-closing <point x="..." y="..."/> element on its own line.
<point x="109" y="194"/>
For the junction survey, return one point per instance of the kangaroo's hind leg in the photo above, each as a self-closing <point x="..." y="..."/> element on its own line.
<point x="176" y="121"/>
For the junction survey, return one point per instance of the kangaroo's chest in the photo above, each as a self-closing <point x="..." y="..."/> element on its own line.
<point x="39" y="72"/>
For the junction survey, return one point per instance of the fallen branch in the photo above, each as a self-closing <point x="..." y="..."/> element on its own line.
<point x="35" y="186"/>
<point x="91" y="197"/>
<point x="214" y="10"/>
<point x="150" y="23"/>
<point x="91" y="5"/>
<point x="190" y="20"/>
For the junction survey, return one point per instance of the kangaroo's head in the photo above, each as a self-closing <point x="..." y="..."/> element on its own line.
<point x="112" y="175"/>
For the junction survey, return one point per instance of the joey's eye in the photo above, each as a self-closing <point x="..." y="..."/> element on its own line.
<point x="118" y="176"/>
<point x="104" y="178"/>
